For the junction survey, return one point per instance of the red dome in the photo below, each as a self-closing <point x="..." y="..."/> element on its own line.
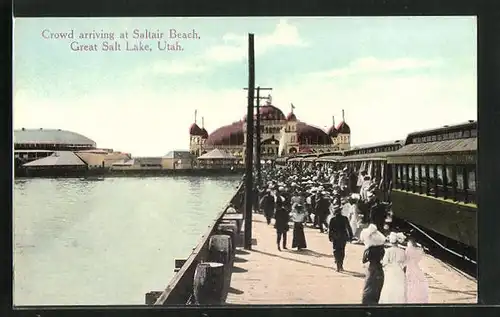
<point x="269" y="112"/>
<point x="311" y="135"/>
<point x="204" y="133"/>
<point x="227" y="135"/>
<point x="343" y="128"/>
<point x="195" y="130"/>
<point x="291" y="117"/>
<point x="332" y="132"/>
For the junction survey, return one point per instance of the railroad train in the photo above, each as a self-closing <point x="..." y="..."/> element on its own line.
<point x="430" y="177"/>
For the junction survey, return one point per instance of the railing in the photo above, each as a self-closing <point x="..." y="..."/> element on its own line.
<point x="180" y="289"/>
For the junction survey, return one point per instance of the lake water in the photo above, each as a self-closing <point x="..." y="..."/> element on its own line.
<point x="107" y="242"/>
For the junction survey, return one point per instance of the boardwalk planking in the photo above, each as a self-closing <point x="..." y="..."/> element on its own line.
<point x="265" y="276"/>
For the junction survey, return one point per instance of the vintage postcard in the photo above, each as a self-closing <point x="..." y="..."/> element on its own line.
<point x="245" y="161"/>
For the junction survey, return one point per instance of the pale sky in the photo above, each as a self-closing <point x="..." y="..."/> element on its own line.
<point x="392" y="75"/>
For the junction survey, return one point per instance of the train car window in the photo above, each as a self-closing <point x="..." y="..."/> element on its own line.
<point x="466" y="134"/>
<point x="473" y="133"/>
<point x="471" y="177"/>
<point x="432" y="180"/>
<point x="460" y="178"/>
<point x="445" y="136"/>
<point x="411" y="185"/>
<point x="439" y="178"/>
<point x="433" y="138"/>
<point x="449" y="176"/>
<point x="440" y="181"/>
<point x="440" y="137"/>
<point x="451" y="135"/>
<point x="404" y="177"/>
<point x="460" y="181"/>
<point x="398" y="176"/>
<point x="459" y="134"/>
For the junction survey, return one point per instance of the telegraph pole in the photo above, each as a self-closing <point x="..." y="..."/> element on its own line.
<point x="249" y="145"/>
<point x="258" y="133"/>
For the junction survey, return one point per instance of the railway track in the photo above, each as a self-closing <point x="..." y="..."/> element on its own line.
<point x="457" y="257"/>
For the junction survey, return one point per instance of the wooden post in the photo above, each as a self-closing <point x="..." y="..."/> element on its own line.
<point x="249" y="145"/>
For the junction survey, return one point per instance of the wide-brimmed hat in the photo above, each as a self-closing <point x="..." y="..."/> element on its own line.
<point x="370" y="236"/>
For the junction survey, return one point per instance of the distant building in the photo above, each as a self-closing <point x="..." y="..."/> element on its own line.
<point x="298" y="136"/>
<point x="32" y="145"/>
<point x="138" y="163"/>
<point x="178" y="160"/>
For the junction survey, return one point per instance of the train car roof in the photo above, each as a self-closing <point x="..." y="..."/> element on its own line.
<point x="329" y="158"/>
<point x="470" y="123"/>
<point x="374" y="145"/>
<point x="457" y="151"/>
<point x="378" y="156"/>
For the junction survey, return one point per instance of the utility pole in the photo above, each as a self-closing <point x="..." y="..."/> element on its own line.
<point x="249" y="145"/>
<point x="258" y="133"/>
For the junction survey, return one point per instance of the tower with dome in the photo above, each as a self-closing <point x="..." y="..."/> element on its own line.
<point x="298" y="136"/>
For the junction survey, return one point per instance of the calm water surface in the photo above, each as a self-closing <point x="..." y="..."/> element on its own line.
<point x="107" y="242"/>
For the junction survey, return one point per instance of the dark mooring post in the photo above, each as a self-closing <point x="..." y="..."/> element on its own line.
<point x="249" y="149"/>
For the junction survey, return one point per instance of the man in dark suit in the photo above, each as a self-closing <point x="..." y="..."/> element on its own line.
<point x="339" y="232"/>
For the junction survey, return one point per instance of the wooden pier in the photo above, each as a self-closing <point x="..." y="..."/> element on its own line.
<point x="265" y="276"/>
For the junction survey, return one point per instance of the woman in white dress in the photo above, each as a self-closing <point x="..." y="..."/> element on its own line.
<point x="394" y="289"/>
<point x="353" y="215"/>
<point x="417" y="287"/>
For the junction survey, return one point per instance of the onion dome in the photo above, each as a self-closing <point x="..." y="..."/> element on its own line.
<point x="343" y="127"/>
<point x="291" y="117"/>
<point x="194" y="129"/>
<point x="227" y="135"/>
<point x="204" y="132"/>
<point x="308" y="134"/>
<point x="333" y="132"/>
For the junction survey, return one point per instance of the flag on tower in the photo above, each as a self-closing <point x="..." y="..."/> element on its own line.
<point x="293" y="107"/>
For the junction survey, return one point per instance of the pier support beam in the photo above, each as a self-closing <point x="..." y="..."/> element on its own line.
<point x="249" y="145"/>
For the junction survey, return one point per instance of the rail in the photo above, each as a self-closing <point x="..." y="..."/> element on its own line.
<point x="180" y="289"/>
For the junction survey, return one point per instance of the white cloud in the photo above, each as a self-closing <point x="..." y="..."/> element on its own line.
<point x="233" y="49"/>
<point x="372" y="65"/>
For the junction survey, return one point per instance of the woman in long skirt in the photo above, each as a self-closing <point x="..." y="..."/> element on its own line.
<point x="374" y="280"/>
<point x="299" y="216"/>
<point x="394" y="262"/>
<point x="417" y="287"/>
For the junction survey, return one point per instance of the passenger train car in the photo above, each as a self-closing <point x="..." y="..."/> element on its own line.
<point x="430" y="177"/>
<point x="434" y="181"/>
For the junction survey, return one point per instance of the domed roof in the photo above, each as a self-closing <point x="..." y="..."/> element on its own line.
<point x="51" y="136"/>
<point x="343" y="128"/>
<point x="231" y="134"/>
<point x="204" y="133"/>
<point x="269" y="112"/>
<point x="332" y="132"/>
<point x="291" y="117"/>
<point x="308" y="134"/>
<point x="194" y="129"/>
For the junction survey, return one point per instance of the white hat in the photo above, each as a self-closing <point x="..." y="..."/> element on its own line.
<point x="371" y="236"/>
<point x="281" y="188"/>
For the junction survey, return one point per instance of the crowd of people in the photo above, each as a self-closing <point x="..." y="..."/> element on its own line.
<point x="347" y="206"/>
